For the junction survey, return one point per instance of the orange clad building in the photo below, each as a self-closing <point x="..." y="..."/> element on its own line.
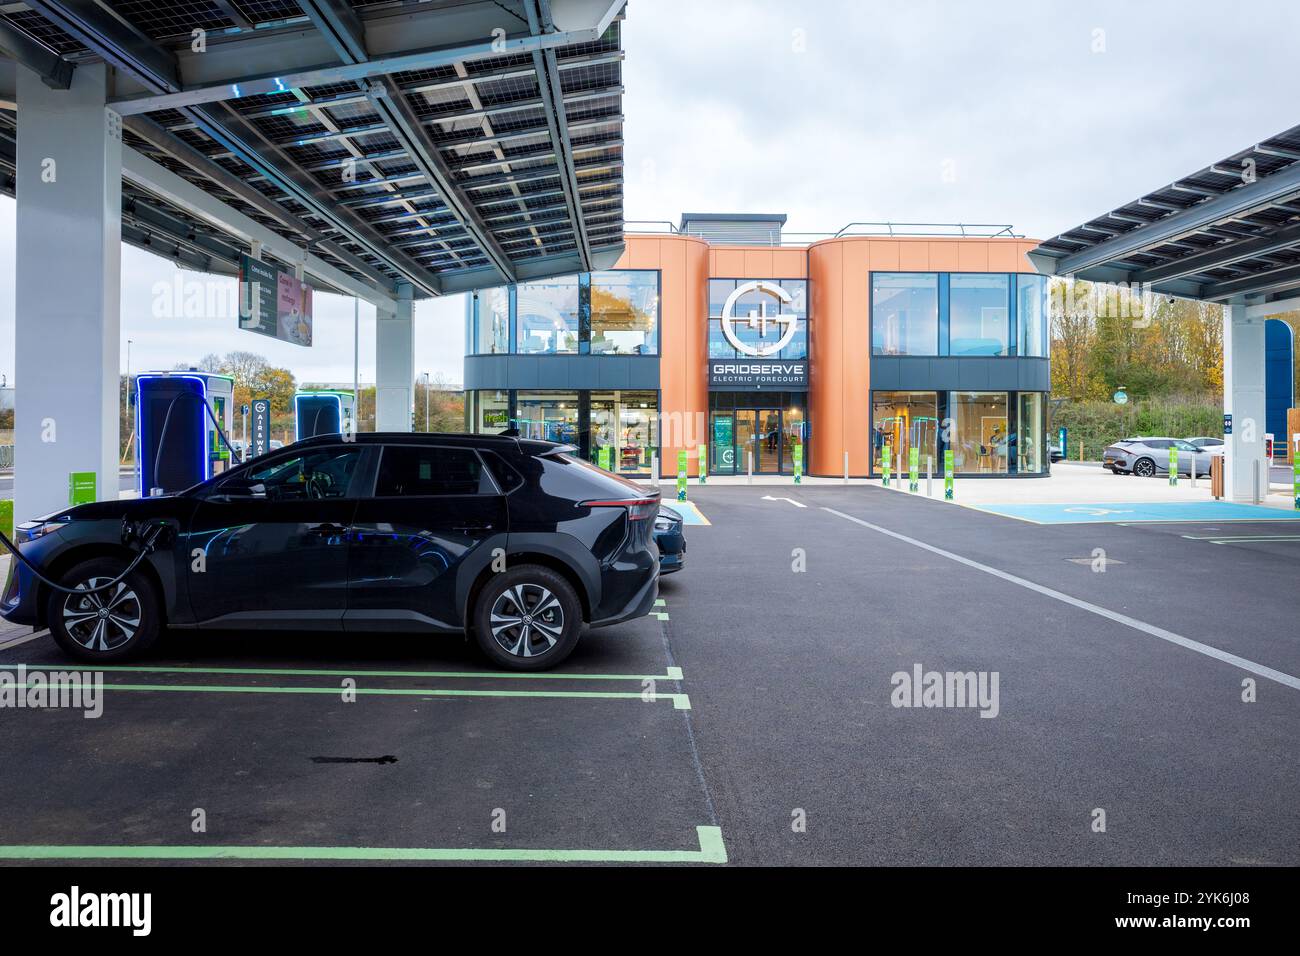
<point x="725" y="334"/>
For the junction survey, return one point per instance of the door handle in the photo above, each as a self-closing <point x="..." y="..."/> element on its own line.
<point x="472" y="527"/>
<point x="327" y="527"/>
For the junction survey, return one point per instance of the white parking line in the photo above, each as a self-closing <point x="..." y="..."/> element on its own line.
<point x="5" y="645"/>
<point x="1160" y="632"/>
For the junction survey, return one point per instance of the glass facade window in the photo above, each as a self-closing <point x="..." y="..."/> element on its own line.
<point x="488" y="412"/>
<point x="981" y="438"/>
<point x="905" y="313"/>
<point x="492" y="322"/>
<point x="624" y="313"/>
<point x="903" y="421"/>
<point x="978" y="314"/>
<point x="547" y="316"/>
<point x="1031" y="315"/>
<point x="628" y="424"/>
<point x="1029" y="435"/>
<point x="550" y="416"/>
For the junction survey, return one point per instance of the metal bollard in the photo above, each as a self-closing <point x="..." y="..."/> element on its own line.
<point x="750" y="456"/>
<point x="929" y="475"/>
<point x="846" y="467"/>
<point x="654" y="469"/>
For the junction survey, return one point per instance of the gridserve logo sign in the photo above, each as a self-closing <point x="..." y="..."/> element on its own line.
<point x="775" y="330"/>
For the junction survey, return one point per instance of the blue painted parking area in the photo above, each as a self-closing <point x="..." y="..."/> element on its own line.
<point x="1125" y="513"/>
<point x="689" y="512"/>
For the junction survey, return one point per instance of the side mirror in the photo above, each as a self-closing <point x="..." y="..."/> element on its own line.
<point x="241" y="488"/>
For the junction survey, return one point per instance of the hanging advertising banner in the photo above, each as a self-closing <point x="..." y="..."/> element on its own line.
<point x="273" y="302"/>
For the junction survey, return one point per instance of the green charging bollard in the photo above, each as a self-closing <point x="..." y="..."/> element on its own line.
<point x="886" y="454"/>
<point x="704" y="464"/>
<point x="913" y="469"/>
<point x="798" y="464"/>
<point x="1173" y="466"/>
<point x="681" y="475"/>
<point x="948" y="473"/>
<point x="1295" y="478"/>
<point x="606" y="456"/>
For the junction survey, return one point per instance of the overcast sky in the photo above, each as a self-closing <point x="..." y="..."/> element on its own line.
<point x="1037" y="114"/>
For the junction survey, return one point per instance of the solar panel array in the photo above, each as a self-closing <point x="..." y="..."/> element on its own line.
<point x="1213" y="259"/>
<point x="487" y="119"/>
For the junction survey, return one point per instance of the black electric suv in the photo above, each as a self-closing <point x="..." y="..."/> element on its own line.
<point x="515" y="542"/>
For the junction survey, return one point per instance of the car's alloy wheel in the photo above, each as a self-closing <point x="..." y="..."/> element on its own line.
<point x="102" y="620"/>
<point x="1144" y="468"/>
<point x="527" y="620"/>
<point x="109" y="625"/>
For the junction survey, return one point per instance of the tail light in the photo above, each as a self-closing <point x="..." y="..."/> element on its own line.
<point x="638" y="509"/>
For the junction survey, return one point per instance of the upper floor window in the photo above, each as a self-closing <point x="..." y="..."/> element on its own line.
<point x="1031" y="314"/>
<point x="547" y="316"/>
<point x="760" y="320"/>
<point x="625" y="313"/>
<point x="978" y="314"/>
<point x="492" y="322"/>
<point x="905" y="313"/>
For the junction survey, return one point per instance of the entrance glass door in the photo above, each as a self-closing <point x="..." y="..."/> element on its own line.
<point x="722" y="444"/>
<point x="767" y="443"/>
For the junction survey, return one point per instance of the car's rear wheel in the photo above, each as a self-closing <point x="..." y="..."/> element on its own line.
<point x="1144" y="468"/>
<point x="107" y="625"/>
<point x="527" y="618"/>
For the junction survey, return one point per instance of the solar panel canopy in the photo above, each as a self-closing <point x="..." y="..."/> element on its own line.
<point x="446" y="144"/>
<point x="1226" y="232"/>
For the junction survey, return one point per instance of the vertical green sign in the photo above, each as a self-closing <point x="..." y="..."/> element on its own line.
<point x="913" y="469"/>
<point x="81" y="487"/>
<point x="1173" y="465"/>
<point x="948" y="472"/>
<point x="681" y="474"/>
<point x="704" y="465"/>
<point x="606" y="457"/>
<point x="885" y="454"/>
<point x="798" y="464"/>
<point x="1295" y="478"/>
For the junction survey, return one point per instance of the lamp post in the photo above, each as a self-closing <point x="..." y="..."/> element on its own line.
<point x="426" y="401"/>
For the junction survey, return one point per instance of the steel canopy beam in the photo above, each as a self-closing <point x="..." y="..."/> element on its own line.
<point x="187" y="155"/>
<point x="54" y="71"/>
<point x="157" y="179"/>
<point x="548" y="83"/>
<point x="238" y="86"/>
<point x="114" y="39"/>
<point x="1263" y="192"/>
<point x="1220" y="256"/>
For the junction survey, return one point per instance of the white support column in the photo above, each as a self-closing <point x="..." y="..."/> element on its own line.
<point x="67" y="301"/>
<point x="395" y="363"/>
<point x="1243" y="399"/>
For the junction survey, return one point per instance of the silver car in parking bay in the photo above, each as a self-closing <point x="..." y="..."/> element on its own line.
<point x="1146" y="457"/>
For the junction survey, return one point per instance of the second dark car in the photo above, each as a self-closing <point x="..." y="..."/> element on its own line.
<point x="518" y="543"/>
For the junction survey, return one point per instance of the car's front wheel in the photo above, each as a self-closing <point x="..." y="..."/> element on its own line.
<point x="104" y="625"/>
<point x="1144" y="468"/>
<point x="527" y="618"/>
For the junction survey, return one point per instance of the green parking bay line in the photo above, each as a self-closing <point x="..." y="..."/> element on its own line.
<point x="711" y="850"/>
<point x="680" y="701"/>
<point x="671" y="673"/>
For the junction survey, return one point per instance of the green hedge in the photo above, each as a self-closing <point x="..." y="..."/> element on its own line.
<point x="1098" y="424"/>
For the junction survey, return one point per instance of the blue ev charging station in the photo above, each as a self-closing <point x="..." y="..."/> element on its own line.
<point x="322" y="412"/>
<point x="177" y="416"/>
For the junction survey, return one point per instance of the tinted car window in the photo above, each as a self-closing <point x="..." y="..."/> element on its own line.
<point x="322" y="473"/>
<point x="1156" y="443"/>
<point x="407" y="470"/>
<point x="507" y="477"/>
